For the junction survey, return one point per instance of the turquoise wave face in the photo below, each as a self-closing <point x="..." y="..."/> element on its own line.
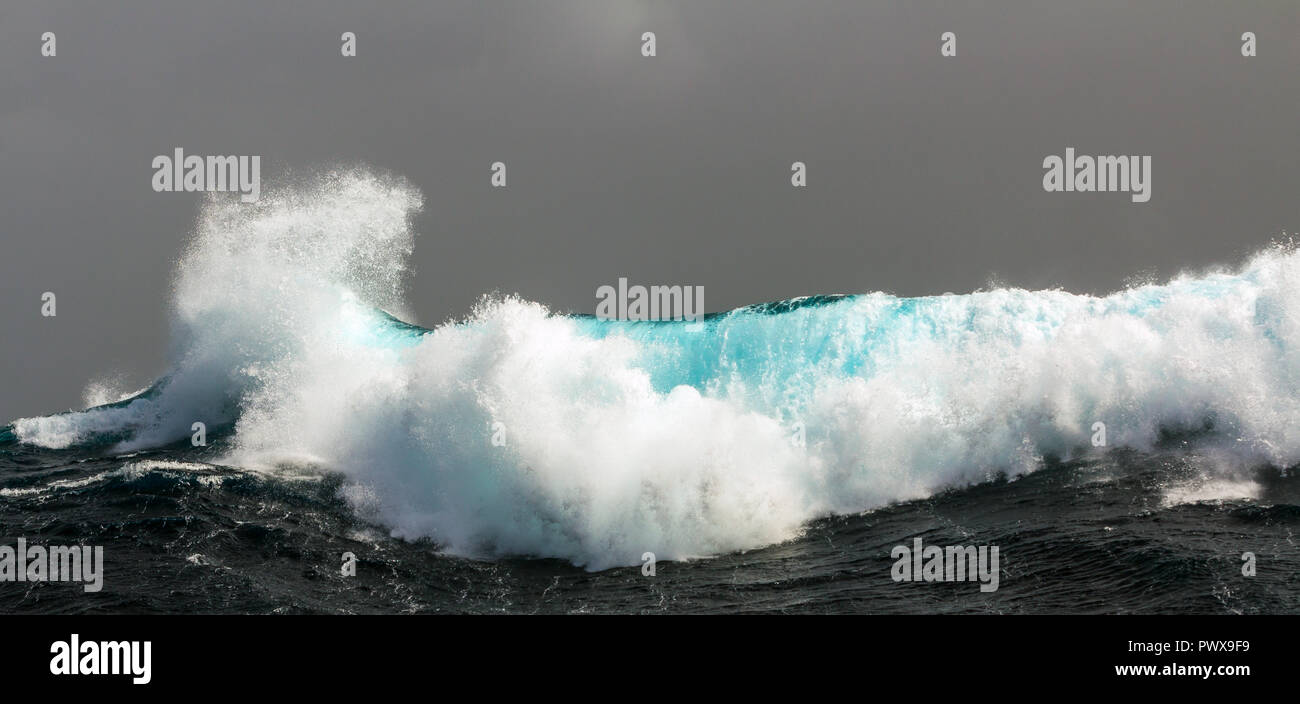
<point x="788" y="347"/>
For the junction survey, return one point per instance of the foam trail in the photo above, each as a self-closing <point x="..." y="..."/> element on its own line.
<point x="623" y="438"/>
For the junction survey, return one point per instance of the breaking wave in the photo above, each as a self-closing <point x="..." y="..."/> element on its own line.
<point x="683" y="440"/>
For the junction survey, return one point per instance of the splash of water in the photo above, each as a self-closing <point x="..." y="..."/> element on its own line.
<point x="623" y="438"/>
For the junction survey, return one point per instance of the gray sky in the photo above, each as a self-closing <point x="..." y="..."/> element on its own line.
<point x="924" y="172"/>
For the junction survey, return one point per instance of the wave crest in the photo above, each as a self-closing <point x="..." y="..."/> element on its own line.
<point x="625" y="438"/>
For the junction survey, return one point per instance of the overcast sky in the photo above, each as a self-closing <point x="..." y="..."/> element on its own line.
<point x="925" y="173"/>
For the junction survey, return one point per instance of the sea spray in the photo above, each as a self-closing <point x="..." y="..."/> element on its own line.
<point x="624" y="438"/>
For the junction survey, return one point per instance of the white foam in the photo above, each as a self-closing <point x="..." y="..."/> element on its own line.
<point x="129" y="470"/>
<point x="601" y="465"/>
<point x="1211" y="489"/>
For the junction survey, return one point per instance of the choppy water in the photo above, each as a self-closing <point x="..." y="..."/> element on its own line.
<point x="1095" y="536"/>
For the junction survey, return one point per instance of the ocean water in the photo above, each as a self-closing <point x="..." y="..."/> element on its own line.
<point x="770" y="458"/>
